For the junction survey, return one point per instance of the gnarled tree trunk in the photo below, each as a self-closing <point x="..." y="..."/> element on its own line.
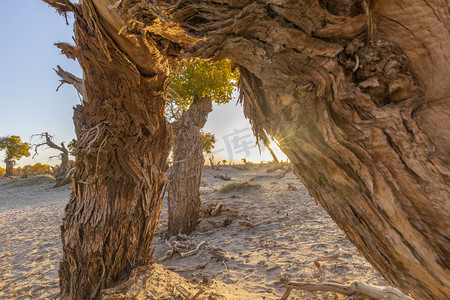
<point x="9" y="167"/>
<point x="186" y="174"/>
<point x="122" y="145"/>
<point x="357" y="94"/>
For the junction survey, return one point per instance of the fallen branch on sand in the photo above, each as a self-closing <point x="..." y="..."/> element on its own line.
<point x="356" y="290"/>
<point x="185" y="292"/>
<point x="323" y="259"/>
<point x="177" y="269"/>
<point x="249" y="224"/>
<point x="241" y="168"/>
<point x="180" y="247"/>
<point x="278" y="167"/>
<point x="223" y="177"/>
<point x="281" y="175"/>
<point x="198" y="294"/>
<point x="192" y="252"/>
<point x="216" y="209"/>
<point x="291" y="187"/>
<point x="167" y="255"/>
<point x="284" y="172"/>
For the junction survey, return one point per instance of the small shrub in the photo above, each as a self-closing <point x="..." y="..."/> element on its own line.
<point x="241" y="186"/>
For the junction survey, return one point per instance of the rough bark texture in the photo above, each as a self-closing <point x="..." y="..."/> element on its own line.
<point x="9" y="167"/>
<point x="186" y="174"/>
<point x="122" y="145"/>
<point x="357" y="94"/>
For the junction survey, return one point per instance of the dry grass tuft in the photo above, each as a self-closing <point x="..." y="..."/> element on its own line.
<point x="241" y="186"/>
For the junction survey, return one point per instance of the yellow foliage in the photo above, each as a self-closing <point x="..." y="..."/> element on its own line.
<point x="203" y="79"/>
<point x="39" y="168"/>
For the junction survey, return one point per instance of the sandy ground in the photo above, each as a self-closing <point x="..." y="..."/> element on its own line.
<point x="235" y="261"/>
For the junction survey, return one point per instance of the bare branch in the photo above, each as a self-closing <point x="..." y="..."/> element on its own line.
<point x="317" y="261"/>
<point x="48" y="141"/>
<point x="63" y="7"/>
<point x="68" y="50"/>
<point x="69" y="78"/>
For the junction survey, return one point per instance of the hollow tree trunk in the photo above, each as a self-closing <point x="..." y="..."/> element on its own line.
<point x="357" y="94"/>
<point x="184" y="180"/>
<point x="122" y="145"/>
<point x="9" y="167"/>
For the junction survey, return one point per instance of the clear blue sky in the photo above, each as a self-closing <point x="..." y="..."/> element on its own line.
<point x="29" y="103"/>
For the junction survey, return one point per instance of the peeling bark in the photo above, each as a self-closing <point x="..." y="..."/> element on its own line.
<point x="358" y="98"/>
<point x="185" y="176"/>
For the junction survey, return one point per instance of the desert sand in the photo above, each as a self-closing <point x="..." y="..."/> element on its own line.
<point x="257" y="239"/>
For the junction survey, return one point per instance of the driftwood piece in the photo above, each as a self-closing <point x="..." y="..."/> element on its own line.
<point x="355" y="288"/>
<point x="177" y="269"/>
<point x="262" y="177"/>
<point x="223" y="177"/>
<point x="192" y="252"/>
<point x="240" y="167"/>
<point x="281" y="175"/>
<point x="291" y="187"/>
<point x="167" y="255"/>
<point x="183" y="291"/>
<point x="198" y="294"/>
<point x="217" y="209"/>
<point x="285" y="172"/>
<point x="317" y="261"/>
<point x="277" y="167"/>
<point x="250" y="224"/>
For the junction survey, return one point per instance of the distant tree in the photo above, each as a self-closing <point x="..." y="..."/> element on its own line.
<point x="208" y="140"/>
<point x="15" y="149"/>
<point x="191" y="93"/>
<point x="39" y="168"/>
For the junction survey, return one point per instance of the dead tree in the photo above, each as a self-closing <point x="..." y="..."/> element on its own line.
<point x="61" y="171"/>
